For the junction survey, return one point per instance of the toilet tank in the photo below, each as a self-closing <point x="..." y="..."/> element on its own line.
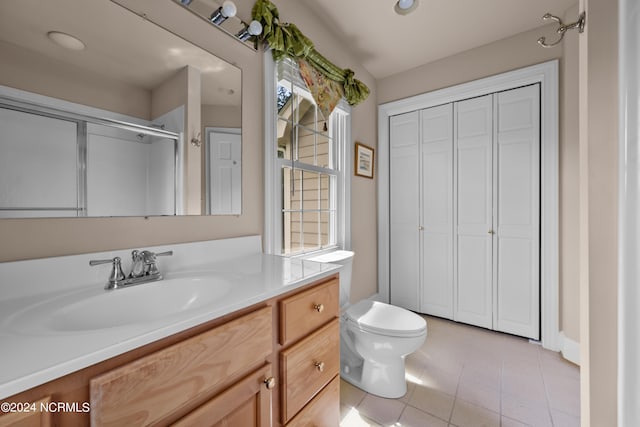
<point x="345" y="259"/>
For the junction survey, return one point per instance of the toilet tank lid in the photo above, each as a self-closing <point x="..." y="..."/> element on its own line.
<point x="335" y="256"/>
<point x="385" y="319"/>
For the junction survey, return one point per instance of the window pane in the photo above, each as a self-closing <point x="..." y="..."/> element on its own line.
<point x="292" y="236"/>
<point x="292" y="189"/>
<point x="325" y="201"/>
<point x="325" y="229"/>
<point x="311" y="191"/>
<point x="284" y="130"/>
<point x="305" y="111"/>
<point x="324" y="152"/>
<point x="311" y="230"/>
<point x="284" y="102"/>
<point x="306" y="146"/>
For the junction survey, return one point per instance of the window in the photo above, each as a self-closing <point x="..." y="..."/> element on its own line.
<point x="307" y="168"/>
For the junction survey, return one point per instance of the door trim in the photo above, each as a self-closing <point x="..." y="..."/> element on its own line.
<point x="546" y="74"/>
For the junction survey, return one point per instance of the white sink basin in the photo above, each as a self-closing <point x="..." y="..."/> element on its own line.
<point x="91" y="309"/>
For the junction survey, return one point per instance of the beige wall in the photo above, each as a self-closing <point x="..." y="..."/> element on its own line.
<point x="599" y="212"/>
<point x="569" y="185"/>
<point x="222" y="116"/>
<point x="504" y="55"/>
<point x="33" y="72"/>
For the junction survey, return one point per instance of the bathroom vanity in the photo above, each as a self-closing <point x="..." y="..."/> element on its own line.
<point x="271" y="359"/>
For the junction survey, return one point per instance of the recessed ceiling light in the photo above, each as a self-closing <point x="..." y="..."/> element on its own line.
<point x="404" y="7"/>
<point x="65" y="40"/>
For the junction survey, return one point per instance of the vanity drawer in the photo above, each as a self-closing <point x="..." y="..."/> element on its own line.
<point x="323" y="410"/>
<point x="158" y="385"/>
<point x="308" y="366"/>
<point x="306" y="311"/>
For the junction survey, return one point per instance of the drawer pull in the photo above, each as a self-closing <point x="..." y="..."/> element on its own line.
<point x="270" y="383"/>
<point x="319" y="366"/>
<point x="318" y="307"/>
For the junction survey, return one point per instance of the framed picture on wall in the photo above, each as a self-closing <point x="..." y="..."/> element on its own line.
<point x="364" y="160"/>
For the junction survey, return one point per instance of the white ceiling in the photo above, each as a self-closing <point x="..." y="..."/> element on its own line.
<point x="386" y="43"/>
<point x="119" y="45"/>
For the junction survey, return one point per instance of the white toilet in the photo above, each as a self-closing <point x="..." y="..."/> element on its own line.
<point x="374" y="337"/>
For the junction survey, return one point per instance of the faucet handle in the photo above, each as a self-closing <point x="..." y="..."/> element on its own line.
<point x="117" y="275"/>
<point x="149" y="259"/>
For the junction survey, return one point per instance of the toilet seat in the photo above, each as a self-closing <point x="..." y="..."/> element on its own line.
<point x="384" y="319"/>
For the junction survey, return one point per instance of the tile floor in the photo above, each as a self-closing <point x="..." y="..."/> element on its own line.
<point x="465" y="376"/>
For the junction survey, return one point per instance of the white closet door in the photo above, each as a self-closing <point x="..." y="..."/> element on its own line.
<point x="517" y="207"/>
<point x="404" y="211"/>
<point x="474" y="222"/>
<point x="437" y="211"/>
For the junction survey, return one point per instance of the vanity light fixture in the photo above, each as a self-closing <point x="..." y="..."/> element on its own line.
<point x="65" y="40"/>
<point x="227" y="10"/>
<point x="253" y="29"/>
<point x="404" y="7"/>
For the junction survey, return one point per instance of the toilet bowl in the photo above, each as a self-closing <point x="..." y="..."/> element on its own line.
<point x="375" y="337"/>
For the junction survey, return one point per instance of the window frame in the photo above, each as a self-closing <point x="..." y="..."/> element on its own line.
<point x="341" y="134"/>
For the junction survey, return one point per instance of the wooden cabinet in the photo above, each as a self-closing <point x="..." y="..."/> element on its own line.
<point x="268" y="365"/>
<point x="309" y="322"/>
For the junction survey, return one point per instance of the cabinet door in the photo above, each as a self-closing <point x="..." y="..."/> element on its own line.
<point x="517" y="212"/>
<point x="436" y="165"/>
<point x="404" y="248"/>
<point x="245" y="404"/>
<point x="474" y="219"/>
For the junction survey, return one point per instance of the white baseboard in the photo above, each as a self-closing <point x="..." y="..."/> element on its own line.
<point x="570" y="349"/>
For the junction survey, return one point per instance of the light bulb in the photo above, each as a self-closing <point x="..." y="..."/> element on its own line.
<point x="229" y="9"/>
<point x="404" y="7"/>
<point x="255" y="28"/>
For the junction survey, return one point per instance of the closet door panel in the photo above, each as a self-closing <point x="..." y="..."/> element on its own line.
<point x="437" y="211"/>
<point x="474" y="211"/>
<point x="517" y="208"/>
<point x="404" y="211"/>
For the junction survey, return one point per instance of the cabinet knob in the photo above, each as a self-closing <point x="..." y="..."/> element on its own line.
<point x="492" y="232"/>
<point x="270" y="383"/>
<point x="319" y="366"/>
<point x="421" y="228"/>
<point x="318" y="307"/>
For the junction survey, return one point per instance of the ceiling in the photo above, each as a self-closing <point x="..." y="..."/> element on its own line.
<point x="143" y="55"/>
<point x="386" y="43"/>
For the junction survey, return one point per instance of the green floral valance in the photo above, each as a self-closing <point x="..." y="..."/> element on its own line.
<point x="286" y="39"/>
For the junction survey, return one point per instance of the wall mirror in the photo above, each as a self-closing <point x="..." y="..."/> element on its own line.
<point x="124" y="118"/>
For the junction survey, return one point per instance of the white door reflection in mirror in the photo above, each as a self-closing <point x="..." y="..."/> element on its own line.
<point x="224" y="171"/>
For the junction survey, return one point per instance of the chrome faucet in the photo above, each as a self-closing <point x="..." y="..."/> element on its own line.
<point x="144" y="269"/>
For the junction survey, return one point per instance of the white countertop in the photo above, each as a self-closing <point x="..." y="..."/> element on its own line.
<point x="32" y="356"/>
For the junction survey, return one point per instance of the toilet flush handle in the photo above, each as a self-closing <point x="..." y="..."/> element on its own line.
<point x="318" y="307"/>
